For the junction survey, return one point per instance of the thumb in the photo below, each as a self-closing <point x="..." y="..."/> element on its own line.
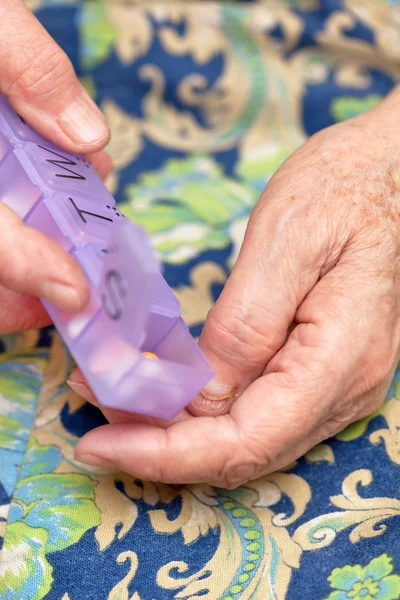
<point x="251" y="320"/>
<point x="40" y="83"/>
<point x="320" y="381"/>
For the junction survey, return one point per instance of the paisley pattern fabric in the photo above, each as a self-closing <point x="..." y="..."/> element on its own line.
<point x="205" y="100"/>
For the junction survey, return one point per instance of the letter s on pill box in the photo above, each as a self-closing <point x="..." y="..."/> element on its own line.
<point x="132" y="312"/>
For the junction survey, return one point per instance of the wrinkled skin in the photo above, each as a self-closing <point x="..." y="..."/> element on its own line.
<point x="306" y="334"/>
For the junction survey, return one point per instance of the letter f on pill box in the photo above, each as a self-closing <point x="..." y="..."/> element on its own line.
<point x="132" y="314"/>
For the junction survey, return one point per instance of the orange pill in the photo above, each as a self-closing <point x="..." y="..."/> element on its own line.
<point x="150" y="355"/>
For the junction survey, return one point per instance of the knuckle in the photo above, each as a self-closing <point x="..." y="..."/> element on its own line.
<point x="304" y="372"/>
<point x="165" y="469"/>
<point x="372" y="404"/>
<point x="236" y="332"/>
<point x="46" y="72"/>
<point x="336" y="423"/>
<point x="248" y="463"/>
<point x="379" y="370"/>
<point x="233" y="476"/>
<point x="160" y="472"/>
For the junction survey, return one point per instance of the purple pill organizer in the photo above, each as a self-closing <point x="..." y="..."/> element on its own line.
<point x="131" y="309"/>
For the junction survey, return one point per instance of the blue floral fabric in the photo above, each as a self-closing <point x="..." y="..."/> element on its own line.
<point x="205" y="100"/>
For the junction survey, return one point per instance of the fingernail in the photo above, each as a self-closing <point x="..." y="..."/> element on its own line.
<point x="83" y="122"/>
<point x="83" y="390"/>
<point x="93" y="461"/>
<point x="62" y="295"/>
<point x="214" y="400"/>
<point x="217" y="391"/>
<point x="200" y="406"/>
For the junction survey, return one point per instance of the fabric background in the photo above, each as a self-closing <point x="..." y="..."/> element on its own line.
<point x="205" y="100"/>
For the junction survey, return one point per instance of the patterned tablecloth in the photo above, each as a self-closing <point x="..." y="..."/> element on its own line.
<point x="205" y="100"/>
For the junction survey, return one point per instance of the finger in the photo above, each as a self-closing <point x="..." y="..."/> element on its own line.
<point x="40" y="83"/>
<point x="35" y="265"/>
<point x="79" y="385"/>
<point x="317" y="375"/>
<point x="275" y="270"/>
<point x="19" y="312"/>
<point x="360" y="407"/>
<point x="192" y="437"/>
<point x="101" y="162"/>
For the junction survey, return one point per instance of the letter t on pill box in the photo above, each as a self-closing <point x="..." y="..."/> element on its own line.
<point x="131" y="310"/>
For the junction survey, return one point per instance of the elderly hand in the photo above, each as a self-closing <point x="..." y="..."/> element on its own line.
<point x="40" y="83"/>
<point x="306" y="334"/>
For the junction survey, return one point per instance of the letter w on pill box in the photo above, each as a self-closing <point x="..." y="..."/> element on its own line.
<point x="131" y="310"/>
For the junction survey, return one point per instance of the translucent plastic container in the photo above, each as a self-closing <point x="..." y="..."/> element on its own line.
<point x="131" y="309"/>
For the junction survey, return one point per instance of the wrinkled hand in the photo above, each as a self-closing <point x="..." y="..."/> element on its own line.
<point x="41" y="85"/>
<point x="305" y="336"/>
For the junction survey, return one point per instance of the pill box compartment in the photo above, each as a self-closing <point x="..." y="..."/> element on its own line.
<point x="111" y="358"/>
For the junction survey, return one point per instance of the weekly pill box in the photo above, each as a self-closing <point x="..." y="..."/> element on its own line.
<point x="132" y="312"/>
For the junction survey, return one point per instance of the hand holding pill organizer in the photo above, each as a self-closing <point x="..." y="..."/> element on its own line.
<point x="132" y="313"/>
